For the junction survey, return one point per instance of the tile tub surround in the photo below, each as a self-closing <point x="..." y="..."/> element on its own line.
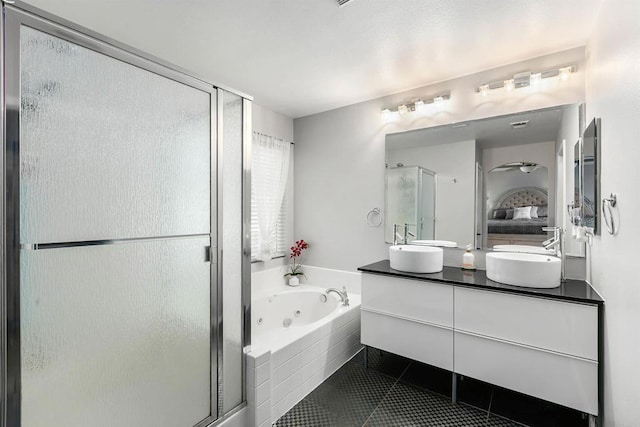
<point x="280" y="375"/>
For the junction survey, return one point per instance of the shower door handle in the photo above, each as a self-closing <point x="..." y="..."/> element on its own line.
<point x="210" y="254"/>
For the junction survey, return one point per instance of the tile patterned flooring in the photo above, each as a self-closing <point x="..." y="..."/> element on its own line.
<point x="395" y="391"/>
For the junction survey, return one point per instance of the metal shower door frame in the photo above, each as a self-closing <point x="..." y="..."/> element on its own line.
<point x="13" y="18"/>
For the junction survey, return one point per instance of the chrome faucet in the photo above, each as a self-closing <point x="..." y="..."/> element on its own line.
<point x="407" y="232"/>
<point x="557" y="244"/>
<point x="341" y="293"/>
<point x="404" y="236"/>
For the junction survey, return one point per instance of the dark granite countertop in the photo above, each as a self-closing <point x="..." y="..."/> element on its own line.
<point x="571" y="290"/>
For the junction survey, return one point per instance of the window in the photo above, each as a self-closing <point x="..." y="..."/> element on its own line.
<point x="281" y="240"/>
<point x="270" y="186"/>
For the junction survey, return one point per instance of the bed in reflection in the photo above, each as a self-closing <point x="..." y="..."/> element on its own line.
<point x="518" y="218"/>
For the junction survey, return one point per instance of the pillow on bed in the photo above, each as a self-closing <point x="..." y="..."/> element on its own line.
<point x="534" y="212"/>
<point x="542" y="211"/>
<point x="500" y="214"/>
<point x="522" y="213"/>
<point x="509" y="214"/>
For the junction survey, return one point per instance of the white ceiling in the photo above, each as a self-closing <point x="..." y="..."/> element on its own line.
<point x="301" y="57"/>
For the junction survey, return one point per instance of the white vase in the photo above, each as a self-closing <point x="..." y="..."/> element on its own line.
<point x="294" y="281"/>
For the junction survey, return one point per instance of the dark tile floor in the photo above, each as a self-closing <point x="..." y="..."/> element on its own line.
<point x="395" y="391"/>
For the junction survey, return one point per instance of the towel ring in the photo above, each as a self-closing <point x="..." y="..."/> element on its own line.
<point x="607" y="208"/>
<point x="371" y="218"/>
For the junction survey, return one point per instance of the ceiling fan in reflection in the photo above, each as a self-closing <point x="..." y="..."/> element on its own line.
<point x="525" y="167"/>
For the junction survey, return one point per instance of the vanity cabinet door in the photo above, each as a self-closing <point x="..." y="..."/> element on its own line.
<point x="541" y="347"/>
<point x="418" y="300"/>
<point x="412" y="318"/>
<point x="418" y="341"/>
<point x="563" y="327"/>
<point x="565" y="380"/>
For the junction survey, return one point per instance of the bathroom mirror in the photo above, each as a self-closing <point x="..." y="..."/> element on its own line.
<point x="591" y="175"/>
<point x="483" y="167"/>
<point x="576" y="206"/>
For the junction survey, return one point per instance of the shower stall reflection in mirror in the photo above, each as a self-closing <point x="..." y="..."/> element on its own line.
<point x="124" y="179"/>
<point x="410" y="201"/>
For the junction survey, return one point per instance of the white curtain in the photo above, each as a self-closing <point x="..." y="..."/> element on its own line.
<point x="269" y="174"/>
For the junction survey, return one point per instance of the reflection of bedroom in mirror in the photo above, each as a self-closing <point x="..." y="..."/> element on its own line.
<point x="517" y="203"/>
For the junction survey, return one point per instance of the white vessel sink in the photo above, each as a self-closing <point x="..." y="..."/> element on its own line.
<point x="522" y="269"/>
<point x="416" y="259"/>
<point x="523" y="248"/>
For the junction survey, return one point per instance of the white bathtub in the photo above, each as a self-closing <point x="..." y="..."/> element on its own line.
<point x="280" y="318"/>
<point x="299" y="337"/>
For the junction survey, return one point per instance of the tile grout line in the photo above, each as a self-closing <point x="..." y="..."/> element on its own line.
<point x="489" y="414"/>
<point x="490" y="402"/>
<point x="397" y="380"/>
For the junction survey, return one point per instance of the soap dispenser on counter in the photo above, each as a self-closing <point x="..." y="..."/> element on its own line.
<point x="468" y="259"/>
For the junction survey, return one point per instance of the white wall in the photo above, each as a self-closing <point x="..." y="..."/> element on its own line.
<point x="277" y="125"/>
<point x="454" y="200"/>
<point x="340" y="154"/>
<point x="613" y="93"/>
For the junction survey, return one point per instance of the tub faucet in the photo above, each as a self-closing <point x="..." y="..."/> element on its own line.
<point x="341" y="293"/>
<point x="557" y="244"/>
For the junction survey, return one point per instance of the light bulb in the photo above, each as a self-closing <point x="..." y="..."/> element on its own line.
<point x="564" y="73"/>
<point x="403" y="109"/>
<point x="438" y="100"/>
<point x="419" y="106"/>
<point x="509" y="85"/>
<point x="484" y="90"/>
<point x="387" y="117"/>
<point x="535" y="78"/>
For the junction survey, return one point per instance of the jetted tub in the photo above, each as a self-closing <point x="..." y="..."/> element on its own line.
<point x="299" y="337"/>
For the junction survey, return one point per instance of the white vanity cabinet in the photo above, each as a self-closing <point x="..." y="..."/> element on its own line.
<point x="412" y="318"/>
<point x="543" y="347"/>
<point x="537" y="346"/>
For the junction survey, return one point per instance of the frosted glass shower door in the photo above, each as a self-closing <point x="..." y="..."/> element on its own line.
<point x="108" y="150"/>
<point x="427" y="214"/>
<point x="116" y="284"/>
<point x="401" y="199"/>
<point x="116" y="335"/>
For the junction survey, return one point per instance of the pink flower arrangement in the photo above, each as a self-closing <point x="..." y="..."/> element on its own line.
<point x="296" y="256"/>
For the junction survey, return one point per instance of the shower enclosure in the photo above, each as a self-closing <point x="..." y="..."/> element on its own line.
<point x="410" y="198"/>
<point x="125" y="266"/>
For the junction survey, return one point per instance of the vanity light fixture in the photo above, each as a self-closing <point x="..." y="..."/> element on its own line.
<point x="535" y="78"/>
<point x="419" y="105"/>
<point x="525" y="79"/>
<point x="389" y="116"/>
<point x="564" y="73"/>
<point x="509" y="85"/>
